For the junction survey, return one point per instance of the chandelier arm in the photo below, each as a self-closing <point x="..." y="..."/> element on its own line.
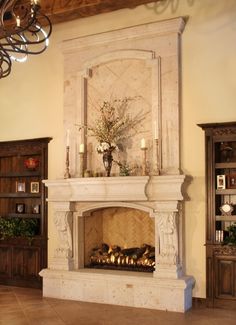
<point x="33" y="22"/>
<point x="21" y="32"/>
<point x="5" y="63"/>
<point x="18" y="50"/>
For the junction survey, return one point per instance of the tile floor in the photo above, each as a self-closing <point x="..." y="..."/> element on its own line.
<point x="21" y="306"/>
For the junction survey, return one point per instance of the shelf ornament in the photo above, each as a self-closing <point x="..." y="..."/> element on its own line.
<point x="226" y="209"/>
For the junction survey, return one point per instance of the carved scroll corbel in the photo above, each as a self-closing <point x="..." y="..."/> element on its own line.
<point x="168" y="236"/>
<point x="63" y="223"/>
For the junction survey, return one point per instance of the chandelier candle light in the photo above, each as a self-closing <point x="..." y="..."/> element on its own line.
<point x="21" y="32"/>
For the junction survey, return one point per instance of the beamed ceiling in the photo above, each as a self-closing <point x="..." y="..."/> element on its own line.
<point x="65" y="10"/>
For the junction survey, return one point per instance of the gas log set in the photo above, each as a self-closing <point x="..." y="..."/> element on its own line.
<point x="140" y="259"/>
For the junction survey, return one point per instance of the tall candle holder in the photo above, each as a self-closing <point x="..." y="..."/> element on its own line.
<point x="81" y="164"/>
<point x="67" y="172"/>
<point x="157" y="157"/>
<point x="144" y="162"/>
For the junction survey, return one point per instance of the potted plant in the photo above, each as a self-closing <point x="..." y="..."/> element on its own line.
<point x="231" y="238"/>
<point x="18" y="227"/>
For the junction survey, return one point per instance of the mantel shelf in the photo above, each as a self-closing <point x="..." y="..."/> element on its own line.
<point x="131" y="188"/>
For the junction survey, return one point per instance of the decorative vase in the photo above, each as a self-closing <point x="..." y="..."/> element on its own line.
<point x="107" y="162"/>
<point x="31" y="163"/>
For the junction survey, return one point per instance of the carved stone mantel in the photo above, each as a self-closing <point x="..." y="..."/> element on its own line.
<point x="158" y="195"/>
<point x="74" y="199"/>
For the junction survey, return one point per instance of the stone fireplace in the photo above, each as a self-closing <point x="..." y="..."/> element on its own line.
<point x="145" y="209"/>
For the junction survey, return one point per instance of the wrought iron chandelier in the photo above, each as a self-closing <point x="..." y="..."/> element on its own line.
<point x="21" y="32"/>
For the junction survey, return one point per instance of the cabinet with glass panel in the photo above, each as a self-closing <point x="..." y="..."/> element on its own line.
<point x="220" y="150"/>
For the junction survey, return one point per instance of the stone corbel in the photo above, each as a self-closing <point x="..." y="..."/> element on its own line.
<point x="63" y="221"/>
<point x="167" y="243"/>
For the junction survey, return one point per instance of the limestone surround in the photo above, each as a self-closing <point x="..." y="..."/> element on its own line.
<point x="74" y="199"/>
<point x="138" y="61"/>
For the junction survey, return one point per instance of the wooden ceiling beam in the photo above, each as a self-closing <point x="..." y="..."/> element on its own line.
<point x="66" y="10"/>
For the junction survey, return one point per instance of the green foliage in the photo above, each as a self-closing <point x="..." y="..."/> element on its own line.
<point x="18" y="227"/>
<point x="231" y="239"/>
<point x="125" y="169"/>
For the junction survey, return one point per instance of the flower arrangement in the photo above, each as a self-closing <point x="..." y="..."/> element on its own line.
<point x="113" y="125"/>
<point x="105" y="147"/>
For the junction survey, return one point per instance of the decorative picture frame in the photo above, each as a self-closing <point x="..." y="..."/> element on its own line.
<point x="220" y="182"/>
<point x="20" y="208"/>
<point x="36" y="208"/>
<point x="231" y="181"/>
<point x="20" y="186"/>
<point x="34" y="187"/>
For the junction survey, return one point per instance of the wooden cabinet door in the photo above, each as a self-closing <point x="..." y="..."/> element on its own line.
<point x="26" y="263"/>
<point x="17" y="262"/>
<point x="31" y="263"/>
<point x="225" y="277"/>
<point x="5" y="262"/>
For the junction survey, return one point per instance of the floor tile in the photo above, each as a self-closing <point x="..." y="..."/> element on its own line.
<point x="22" y="306"/>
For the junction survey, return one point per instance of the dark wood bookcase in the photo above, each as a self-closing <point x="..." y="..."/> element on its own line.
<point x="23" y="197"/>
<point x="220" y="152"/>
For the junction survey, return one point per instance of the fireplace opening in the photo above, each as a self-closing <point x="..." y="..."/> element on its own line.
<point x="129" y="259"/>
<point x="119" y="238"/>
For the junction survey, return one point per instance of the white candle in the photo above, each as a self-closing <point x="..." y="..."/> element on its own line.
<point x="81" y="148"/>
<point x="143" y="143"/>
<point x="18" y="21"/>
<point x="68" y="138"/>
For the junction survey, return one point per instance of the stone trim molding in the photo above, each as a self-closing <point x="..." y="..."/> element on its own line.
<point x="159" y="28"/>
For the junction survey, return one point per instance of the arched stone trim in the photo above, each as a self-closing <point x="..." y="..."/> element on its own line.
<point x="93" y="206"/>
<point x="153" y="61"/>
<point x="117" y="55"/>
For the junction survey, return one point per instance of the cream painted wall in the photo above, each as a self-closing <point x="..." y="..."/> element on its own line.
<point x="31" y="98"/>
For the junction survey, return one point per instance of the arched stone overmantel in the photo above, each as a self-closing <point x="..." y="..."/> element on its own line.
<point x="151" y="61"/>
